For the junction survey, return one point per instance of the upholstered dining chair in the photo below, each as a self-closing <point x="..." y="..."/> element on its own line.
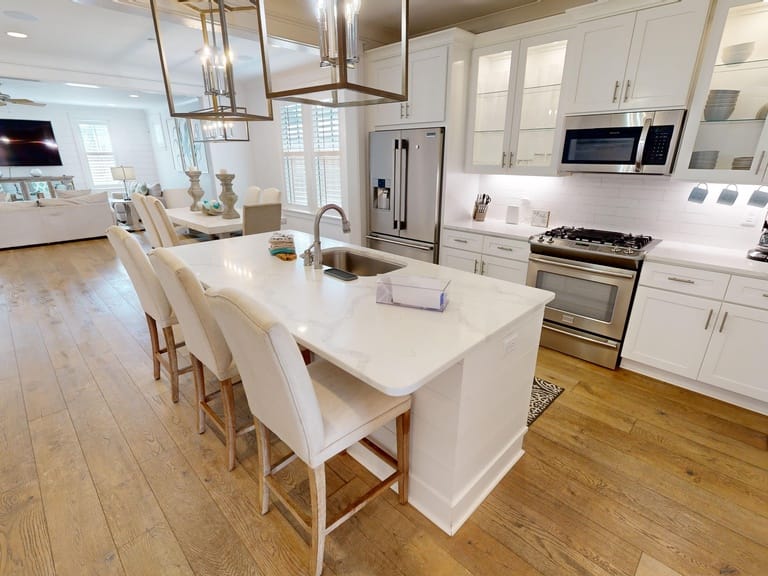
<point x="317" y="410"/>
<point x="205" y="343"/>
<point x="252" y="195"/>
<point x="269" y="195"/>
<point x="155" y="304"/>
<point x="139" y="201"/>
<point x="166" y="231"/>
<point x="261" y="217"/>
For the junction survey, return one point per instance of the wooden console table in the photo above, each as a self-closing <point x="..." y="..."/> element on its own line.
<point x="22" y="183"/>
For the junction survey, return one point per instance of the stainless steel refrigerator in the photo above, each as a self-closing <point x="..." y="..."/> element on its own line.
<point x="405" y="179"/>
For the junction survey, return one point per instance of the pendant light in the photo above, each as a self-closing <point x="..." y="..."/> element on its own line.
<point x="219" y="79"/>
<point x="336" y="81"/>
<point x="219" y="131"/>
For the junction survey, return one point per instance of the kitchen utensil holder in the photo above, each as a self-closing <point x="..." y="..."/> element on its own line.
<point x="479" y="212"/>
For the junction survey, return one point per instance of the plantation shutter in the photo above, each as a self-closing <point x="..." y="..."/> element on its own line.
<point x="99" y="154"/>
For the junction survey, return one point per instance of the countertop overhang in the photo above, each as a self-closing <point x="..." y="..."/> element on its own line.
<point x="392" y="348"/>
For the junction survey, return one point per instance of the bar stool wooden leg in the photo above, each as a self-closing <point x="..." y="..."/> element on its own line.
<point x="199" y="373"/>
<point x="155" y="345"/>
<point x="264" y="463"/>
<point x="403" y="444"/>
<point x="228" y="400"/>
<point x="317" y="497"/>
<point x="173" y="361"/>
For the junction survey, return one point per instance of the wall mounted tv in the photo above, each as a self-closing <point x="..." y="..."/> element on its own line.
<point x="28" y="143"/>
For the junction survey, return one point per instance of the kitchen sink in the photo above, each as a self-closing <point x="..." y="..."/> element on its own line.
<point x="357" y="263"/>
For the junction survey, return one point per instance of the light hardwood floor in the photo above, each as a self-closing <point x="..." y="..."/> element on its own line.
<point x="100" y="473"/>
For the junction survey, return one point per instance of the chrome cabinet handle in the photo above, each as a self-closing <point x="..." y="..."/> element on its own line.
<point x="475" y="270"/>
<point x="681" y="280"/>
<point x="765" y="295"/>
<point x="626" y="91"/>
<point x="709" y="319"/>
<point x="722" y="324"/>
<point x="760" y="162"/>
<point x="482" y="267"/>
<point x="511" y="158"/>
<point x="460" y="240"/>
<point x="616" y="91"/>
<point x="507" y="249"/>
<point x="503" y="159"/>
<point x="402" y="110"/>
<point x="407" y="109"/>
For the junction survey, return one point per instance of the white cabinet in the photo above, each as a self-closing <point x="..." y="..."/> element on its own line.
<point x="427" y="77"/>
<point x="496" y="257"/>
<point x="643" y="60"/>
<point x="514" y="106"/>
<point x="726" y="136"/>
<point x="703" y="325"/>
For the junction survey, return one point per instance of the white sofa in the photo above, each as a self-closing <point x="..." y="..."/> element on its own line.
<point x="54" y="220"/>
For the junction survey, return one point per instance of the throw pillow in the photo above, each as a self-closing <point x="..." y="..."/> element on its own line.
<point x="156" y="191"/>
<point x="71" y="193"/>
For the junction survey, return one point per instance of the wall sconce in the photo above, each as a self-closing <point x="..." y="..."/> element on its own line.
<point x="698" y="193"/>
<point x="728" y="195"/>
<point x="220" y="65"/>
<point x="124" y="173"/>
<point x="336" y="84"/>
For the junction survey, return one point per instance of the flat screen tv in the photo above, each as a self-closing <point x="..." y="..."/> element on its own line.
<point x="28" y="143"/>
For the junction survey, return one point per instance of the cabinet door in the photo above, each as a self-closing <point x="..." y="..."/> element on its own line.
<point x="504" y="269"/>
<point x="459" y="259"/>
<point x="386" y="75"/>
<point x="726" y="135"/>
<point x="670" y="331"/>
<point x="665" y="45"/>
<point x="735" y="358"/>
<point x="599" y="61"/>
<point x="490" y="107"/>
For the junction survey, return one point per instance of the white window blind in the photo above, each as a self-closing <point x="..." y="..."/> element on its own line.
<point x="311" y="141"/>
<point x="98" y="153"/>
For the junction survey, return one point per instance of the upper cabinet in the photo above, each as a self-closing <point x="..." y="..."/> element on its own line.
<point x="726" y="139"/>
<point x="427" y="77"/>
<point x="513" y="106"/>
<point x="635" y="61"/>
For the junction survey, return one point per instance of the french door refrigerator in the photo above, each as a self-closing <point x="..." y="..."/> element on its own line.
<point x="405" y="178"/>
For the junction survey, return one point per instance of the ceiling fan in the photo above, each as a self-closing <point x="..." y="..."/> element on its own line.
<point x="6" y="99"/>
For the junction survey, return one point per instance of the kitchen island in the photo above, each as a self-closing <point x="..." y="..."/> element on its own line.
<point x="470" y="368"/>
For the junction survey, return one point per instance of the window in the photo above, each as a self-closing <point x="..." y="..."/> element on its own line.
<point x="98" y="152"/>
<point x="311" y="144"/>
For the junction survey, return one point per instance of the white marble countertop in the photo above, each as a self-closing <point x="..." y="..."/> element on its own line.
<point x="712" y="258"/>
<point x="496" y="228"/>
<point x="204" y="223"/>
<point x="392" y="348"/>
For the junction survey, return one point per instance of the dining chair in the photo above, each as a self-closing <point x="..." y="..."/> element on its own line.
<point x="139" y="201"/>
<point x="318" y="410"/>
<point x="261" y="217"/>
<point x="157" y="308"/>
<point x="166" y="231"/>
<point x="269" y="195"/>
<point x="205" y="343"/>
<point x="251" y="195"/>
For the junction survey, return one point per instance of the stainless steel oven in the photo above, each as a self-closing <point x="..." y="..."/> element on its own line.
<point x="593" y="274"/>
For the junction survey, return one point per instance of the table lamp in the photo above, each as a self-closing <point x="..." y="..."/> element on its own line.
<point x="123" y="173"/>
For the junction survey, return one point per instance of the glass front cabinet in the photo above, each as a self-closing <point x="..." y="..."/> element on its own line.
<point x="726" y="139"/>
<point x="514" y="123"/>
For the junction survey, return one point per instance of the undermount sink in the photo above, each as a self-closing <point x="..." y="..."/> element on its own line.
<point x="357" y="263"/>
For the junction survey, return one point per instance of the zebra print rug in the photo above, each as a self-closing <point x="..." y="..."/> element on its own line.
<point x="542" y="395"/>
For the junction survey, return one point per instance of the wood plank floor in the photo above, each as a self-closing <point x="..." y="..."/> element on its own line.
<point x="100" y="473"/>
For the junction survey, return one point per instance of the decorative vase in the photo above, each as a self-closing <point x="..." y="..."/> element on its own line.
<point x="227" y="196"/>
<point x="195" y="191"/>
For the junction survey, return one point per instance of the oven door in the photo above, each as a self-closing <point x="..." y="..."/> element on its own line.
<point x="588" y="297"/>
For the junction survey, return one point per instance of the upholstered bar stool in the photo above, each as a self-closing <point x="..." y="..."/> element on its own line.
<point x="155" y="304"/>
<point x="139" y="201"/>
<point x="205" y="343"/>
<point x="317" y="410"/>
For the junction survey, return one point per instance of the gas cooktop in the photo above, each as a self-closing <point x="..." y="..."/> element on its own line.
<point x="589" y="245"/>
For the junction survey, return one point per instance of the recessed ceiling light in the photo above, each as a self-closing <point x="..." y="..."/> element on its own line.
<point x="77" y="85"/>
<point x="17" y="15"/>
<point x="133" y="95"/>
<point x="16" y="34"/>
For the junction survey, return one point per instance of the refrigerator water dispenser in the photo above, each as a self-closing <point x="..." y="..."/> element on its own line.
<point x="381" y="195"/>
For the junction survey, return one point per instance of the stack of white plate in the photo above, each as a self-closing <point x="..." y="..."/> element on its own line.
<point x="703" y="159"/>
<point x="742" y="163"/>
<point x="720" y="104"/>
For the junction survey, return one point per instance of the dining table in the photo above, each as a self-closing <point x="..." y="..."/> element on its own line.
<point x="212" y="224"/>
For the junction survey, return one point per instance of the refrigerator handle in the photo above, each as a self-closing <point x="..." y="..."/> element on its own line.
<point x="396" y="183"/>
<point x="403" y="184"/>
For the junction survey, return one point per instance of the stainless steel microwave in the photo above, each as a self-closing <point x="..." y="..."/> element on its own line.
<point x="626" y="142"/>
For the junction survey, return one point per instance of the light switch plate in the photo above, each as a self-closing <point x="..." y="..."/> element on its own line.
<point x="540" y="218"/>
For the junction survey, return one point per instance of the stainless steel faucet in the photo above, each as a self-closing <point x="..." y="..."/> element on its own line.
<point x="312" y="255"/>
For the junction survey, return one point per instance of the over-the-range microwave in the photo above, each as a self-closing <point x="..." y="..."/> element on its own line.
<point x="625" y="142"/>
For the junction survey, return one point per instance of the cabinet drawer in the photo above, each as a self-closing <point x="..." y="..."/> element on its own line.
<point x="506" y="248"/>
<point x="748" y="291"/>
<point x="462" y="240"/>
<point x="685" y="280"/>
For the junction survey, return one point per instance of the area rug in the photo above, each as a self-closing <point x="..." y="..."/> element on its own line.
<point x="543" y="394"/>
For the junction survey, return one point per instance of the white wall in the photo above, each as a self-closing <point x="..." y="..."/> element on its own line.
<point x="128" y="128"/>
<point x="655" y="205"/>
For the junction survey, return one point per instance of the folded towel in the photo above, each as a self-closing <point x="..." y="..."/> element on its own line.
<point x="281" y="245"/>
